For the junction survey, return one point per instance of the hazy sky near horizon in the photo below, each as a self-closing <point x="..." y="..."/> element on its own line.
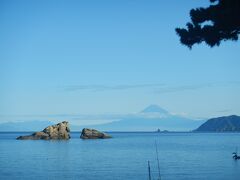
<point x="106" y="57"/>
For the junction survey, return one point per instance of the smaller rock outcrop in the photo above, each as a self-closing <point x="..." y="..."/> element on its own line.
<point x="93" y="134"/>
<point x="58" y="131"/>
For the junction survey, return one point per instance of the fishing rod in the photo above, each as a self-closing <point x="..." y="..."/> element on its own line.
<point x="149" y="171"/>
<point x="159" y="174"/>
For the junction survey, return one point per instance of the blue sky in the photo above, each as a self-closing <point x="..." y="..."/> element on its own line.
<point x="110" y="57"/>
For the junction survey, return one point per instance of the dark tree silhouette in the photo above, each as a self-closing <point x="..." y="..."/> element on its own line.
<point x="218" y="22"/>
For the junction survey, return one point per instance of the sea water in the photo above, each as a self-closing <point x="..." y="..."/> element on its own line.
<point x="125" y="156"/>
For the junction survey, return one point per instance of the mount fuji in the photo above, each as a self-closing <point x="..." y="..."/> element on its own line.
<point x="151" y="118"/>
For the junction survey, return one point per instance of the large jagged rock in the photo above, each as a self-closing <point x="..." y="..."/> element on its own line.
<point x="58" y="131"/>
<point x="93" y="134"/>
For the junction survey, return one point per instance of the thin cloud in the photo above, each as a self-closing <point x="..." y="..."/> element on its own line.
<point x="172" y="89"/>
<point x="224" y="110"/>
<point x="158" y="87"/>
<point x="183" y="88"/>
<point x="96" y="88"/>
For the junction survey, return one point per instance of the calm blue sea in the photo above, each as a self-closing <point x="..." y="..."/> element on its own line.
<point x="125" y="156"/>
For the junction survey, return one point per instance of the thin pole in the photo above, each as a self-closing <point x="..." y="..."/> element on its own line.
<point x="149" y="171"/>
<point x="159" y="175"/>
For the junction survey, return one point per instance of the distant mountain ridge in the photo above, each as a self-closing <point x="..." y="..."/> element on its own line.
<point x="221" y="124"/>
<point x="151" y="118"/>
<point x="24" y="126"/>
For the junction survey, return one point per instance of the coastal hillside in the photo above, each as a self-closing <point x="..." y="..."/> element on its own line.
<point x="221" y="124"/>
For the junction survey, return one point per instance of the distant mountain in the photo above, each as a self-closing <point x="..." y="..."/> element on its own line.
<point x="154" y="109"/>
<point x="24" y="126"/>
<point x="221" y="124"/>
<point x="149" y="119"/>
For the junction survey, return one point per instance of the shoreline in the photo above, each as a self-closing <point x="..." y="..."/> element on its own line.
<point x="168" y="132"/>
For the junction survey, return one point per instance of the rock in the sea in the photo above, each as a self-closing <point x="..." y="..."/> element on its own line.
<point x="93" y="134"/>
<point x="58" y="131"/>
